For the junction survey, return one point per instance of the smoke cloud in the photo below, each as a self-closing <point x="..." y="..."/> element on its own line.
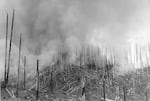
<point x="42" y="21"/>
<point x="49" y="24"/>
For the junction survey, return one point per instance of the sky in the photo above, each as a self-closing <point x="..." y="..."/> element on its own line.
<point x="49" y="24"/>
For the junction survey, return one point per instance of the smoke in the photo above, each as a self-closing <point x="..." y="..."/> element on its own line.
<point x="49" y="24"/>
<point x="43" y="21"/>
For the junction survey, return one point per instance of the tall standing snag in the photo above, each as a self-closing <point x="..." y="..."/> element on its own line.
<point x="124" y="91"/>
<point x="37" y="89"/>
<point x="6" y="48"/>
<point x="24" y="72"/>
<point x="104" y="92"/>
<point x="19" y="66"/>
<point x="9" y="55"/>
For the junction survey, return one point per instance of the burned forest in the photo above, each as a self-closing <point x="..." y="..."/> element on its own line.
<point x="74" y="50"/>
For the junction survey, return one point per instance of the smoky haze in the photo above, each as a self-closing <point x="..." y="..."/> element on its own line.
<point x="47" y="24"/>
<point x="44" y="20"/>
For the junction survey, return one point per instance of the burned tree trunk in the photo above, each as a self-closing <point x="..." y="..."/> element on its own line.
<point x="51" y="83"/>
<point x="17" y="92"/>
<point x="6" y="48"/>
<point x="9" y="55"/>
<point x="124" y="92"/>
<point x="24" y="82"/>
<point x="104" y="92"/>
<point x="37" y="89"/>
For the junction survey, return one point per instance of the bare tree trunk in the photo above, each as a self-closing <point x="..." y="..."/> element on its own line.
<point x="0" y="93"/>
<point x="80" y="59"/>
<point x="83" y="81"/>
<point x="24" y="72"/>
<point x="51" y="83"/>
<point x="17" y="92"/>
<point x="6" y="48"/>
<point x="9" y="55"/>
<point x="104" y="92"/>
<point x="37" y="89"/>
<point x="124" y="92"/>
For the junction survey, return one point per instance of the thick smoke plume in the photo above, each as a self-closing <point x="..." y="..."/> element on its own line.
<point x="42" y="21"/>
<point x="48" y="25"/>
